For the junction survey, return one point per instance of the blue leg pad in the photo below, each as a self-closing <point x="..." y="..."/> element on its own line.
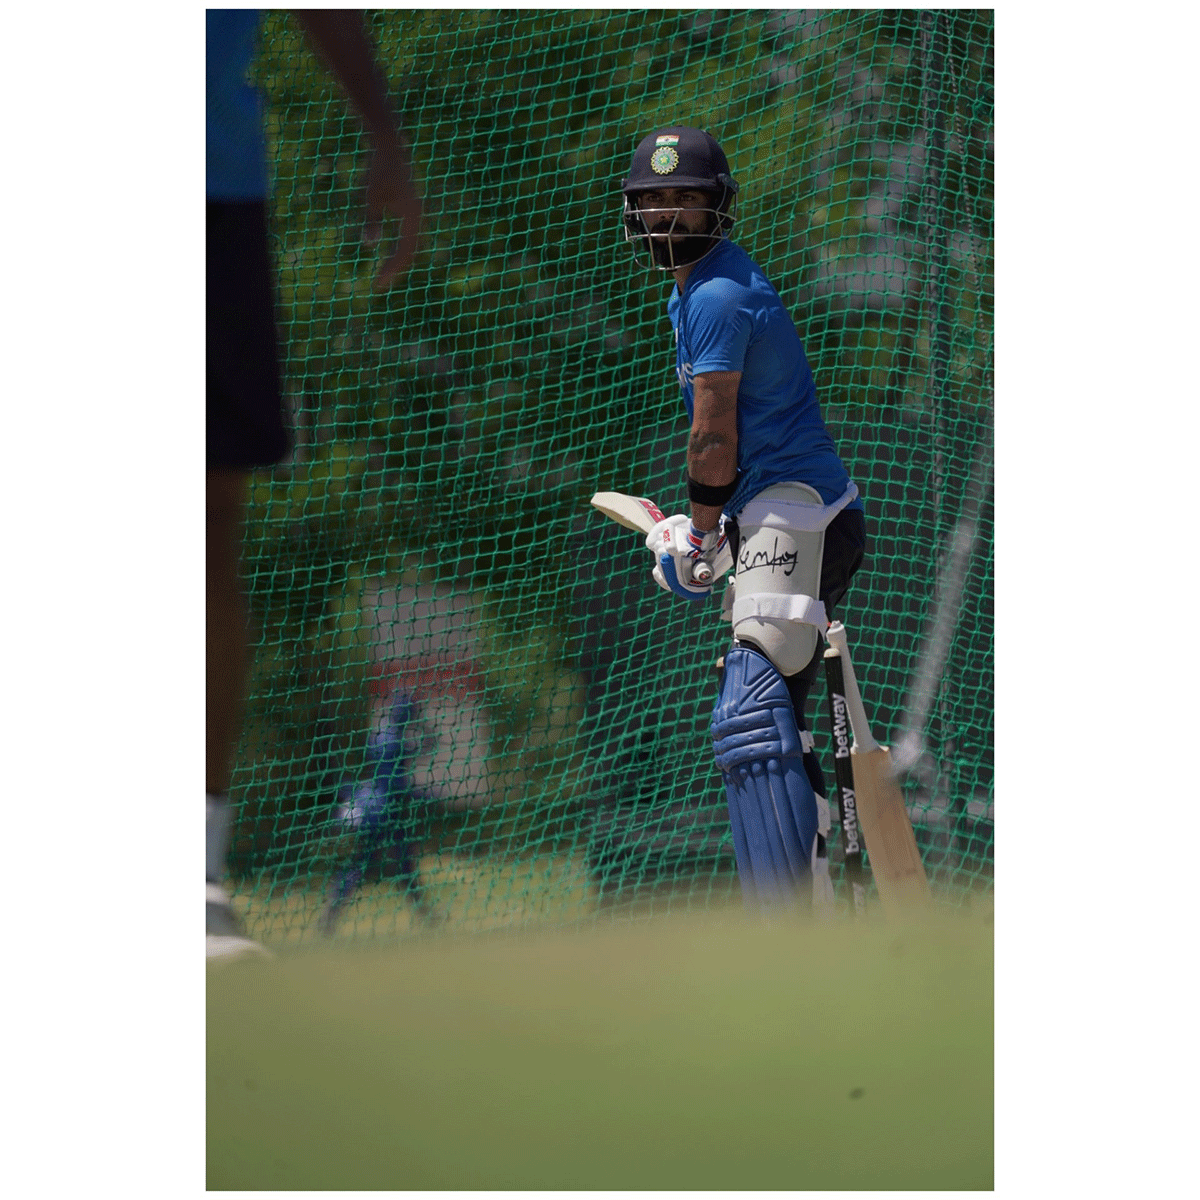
<point x="772" y="809"/>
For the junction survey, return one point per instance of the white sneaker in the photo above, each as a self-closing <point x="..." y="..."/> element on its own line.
<point x="224" y="936"/>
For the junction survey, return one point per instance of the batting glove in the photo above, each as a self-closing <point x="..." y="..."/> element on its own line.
<point x="680" y="548"/>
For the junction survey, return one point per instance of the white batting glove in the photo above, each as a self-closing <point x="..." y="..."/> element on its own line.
<point x="682" y="552"/>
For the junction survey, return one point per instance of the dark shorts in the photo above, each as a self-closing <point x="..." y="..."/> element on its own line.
<point x="245" y="407"/>
<point x="845" y="547"/>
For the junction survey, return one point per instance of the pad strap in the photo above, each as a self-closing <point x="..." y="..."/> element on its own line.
<point x="808" y="609"/>
<point x="795" y="514"/>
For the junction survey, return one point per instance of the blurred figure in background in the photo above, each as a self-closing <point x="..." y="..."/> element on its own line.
<point x="245" y="423"/>
<point x="383" y="814"/>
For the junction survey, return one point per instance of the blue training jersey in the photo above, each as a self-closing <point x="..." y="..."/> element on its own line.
<point x="236" y="144"/>
<point x="730" y="318"/>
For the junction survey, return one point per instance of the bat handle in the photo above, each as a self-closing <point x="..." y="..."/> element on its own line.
<point x="864" y="741"/>
<point x="702" y="573"/>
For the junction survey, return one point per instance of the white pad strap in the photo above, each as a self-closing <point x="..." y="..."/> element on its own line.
<point x="808" y="609"/>
<point x="824" y="815"/>
<point x="823" y="897"/>
<point x="794" y="514"/>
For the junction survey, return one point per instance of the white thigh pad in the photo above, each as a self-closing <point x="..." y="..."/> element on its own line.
<point x="777" y="604"/>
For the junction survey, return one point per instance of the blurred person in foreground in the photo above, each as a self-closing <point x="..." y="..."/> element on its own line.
<point x="245" y="422"/>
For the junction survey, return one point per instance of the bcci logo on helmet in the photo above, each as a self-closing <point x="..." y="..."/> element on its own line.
<point x="664" y="160"/>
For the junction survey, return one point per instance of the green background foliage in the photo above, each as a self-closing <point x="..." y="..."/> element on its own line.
<point x="450" y="432"/>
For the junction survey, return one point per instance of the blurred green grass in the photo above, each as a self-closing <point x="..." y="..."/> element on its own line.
<point x="705" y="1052"/>
<point x="470" y="893"/>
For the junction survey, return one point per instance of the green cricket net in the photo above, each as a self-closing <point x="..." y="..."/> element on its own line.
<point x="470" y="705"/>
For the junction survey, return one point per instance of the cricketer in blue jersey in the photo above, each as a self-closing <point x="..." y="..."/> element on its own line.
<point x="768" y="495"/>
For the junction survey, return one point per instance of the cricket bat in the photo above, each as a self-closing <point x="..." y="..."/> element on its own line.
<point x="886" y="829"/>
<point x="636" y="512"/>
<point x="857" y="876"/>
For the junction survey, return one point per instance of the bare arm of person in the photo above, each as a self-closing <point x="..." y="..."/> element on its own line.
<point x="339" y="38"/>
<point x="712" y="446"/>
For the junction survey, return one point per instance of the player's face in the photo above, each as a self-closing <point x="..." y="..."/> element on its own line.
<point x="679" y="220"/>
<point x="675" y="212"/>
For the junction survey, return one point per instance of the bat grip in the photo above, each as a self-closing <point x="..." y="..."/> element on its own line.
<point x="864" y="741"/>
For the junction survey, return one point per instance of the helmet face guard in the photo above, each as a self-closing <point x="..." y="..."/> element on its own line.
<point x="679" y="157"/>
<point x="658" y="239"/>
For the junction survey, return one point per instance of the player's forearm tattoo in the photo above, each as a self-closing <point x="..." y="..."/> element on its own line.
<point x="700" y="443"/>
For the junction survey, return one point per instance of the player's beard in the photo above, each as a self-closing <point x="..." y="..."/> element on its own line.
<point x="681" y="253"/>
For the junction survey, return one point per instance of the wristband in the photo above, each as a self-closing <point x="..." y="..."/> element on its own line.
<point x="706" y="494"/>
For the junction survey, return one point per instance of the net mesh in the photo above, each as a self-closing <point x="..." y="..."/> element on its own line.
<point x="469" y="703"/>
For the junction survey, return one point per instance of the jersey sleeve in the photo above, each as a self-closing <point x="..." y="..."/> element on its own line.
<point x="720" y="325"/>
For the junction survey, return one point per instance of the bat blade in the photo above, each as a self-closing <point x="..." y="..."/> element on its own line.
<point x="891" y="844"/>
<point x="634" y="512"/>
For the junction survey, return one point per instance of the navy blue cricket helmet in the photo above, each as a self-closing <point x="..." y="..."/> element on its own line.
<point x="680" y="156"/>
